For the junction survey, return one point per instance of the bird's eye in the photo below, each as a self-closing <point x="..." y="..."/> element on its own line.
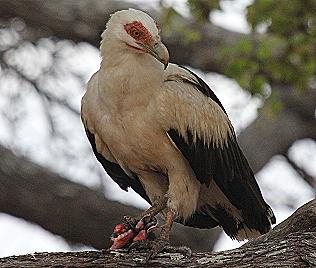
<point x="135" y="33"/>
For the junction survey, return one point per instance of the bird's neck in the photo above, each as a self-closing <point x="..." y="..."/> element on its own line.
<point x="129" y="75"/>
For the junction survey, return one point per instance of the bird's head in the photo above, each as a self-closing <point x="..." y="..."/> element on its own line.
<point x="136" y="32"/>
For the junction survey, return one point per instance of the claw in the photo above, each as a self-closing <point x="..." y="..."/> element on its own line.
<point x="157" y="247"/>
<point x="151" y="225"/>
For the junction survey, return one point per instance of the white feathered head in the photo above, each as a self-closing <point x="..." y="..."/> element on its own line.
<point x="136" y="31"/>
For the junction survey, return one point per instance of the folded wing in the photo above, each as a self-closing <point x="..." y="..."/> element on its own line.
<point x="201" y="130"/>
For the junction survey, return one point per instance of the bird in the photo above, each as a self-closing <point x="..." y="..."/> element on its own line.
<point x="158" y="128"/>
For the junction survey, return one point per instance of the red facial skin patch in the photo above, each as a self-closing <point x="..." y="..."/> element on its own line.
<point x="139" y="32"/>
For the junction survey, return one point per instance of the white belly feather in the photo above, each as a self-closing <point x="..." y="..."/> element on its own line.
<point x="132" y="136"/>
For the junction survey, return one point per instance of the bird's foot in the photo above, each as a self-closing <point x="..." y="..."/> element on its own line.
<point x="157" y="246"/>
<point x="132" y="230"/>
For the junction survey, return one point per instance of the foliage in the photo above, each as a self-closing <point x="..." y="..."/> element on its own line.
<point x="286" y="55"/>
<point x="172" y="22"/>
<point x="201" y="9"/>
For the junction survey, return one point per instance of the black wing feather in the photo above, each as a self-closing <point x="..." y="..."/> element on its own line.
<point x="200" y="220"/>
<point x="230" y="170"/>
<point x="117" y="173"/>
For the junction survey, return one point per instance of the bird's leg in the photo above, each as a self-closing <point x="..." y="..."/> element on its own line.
<point x="163" y="240"/>
<point x="157" y="206"/>
<point x="162" y="243"/>
<point x="137" y="228"/>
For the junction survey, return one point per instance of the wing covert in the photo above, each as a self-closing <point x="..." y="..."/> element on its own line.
<point x="205" y="137"/>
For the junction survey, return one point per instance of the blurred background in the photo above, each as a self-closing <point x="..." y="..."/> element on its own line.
<point x="258" y="56"/>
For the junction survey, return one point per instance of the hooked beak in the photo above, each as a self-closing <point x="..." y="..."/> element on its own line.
<point x="159" y="51"/>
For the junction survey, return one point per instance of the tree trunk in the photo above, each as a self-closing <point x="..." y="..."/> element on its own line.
<point x="290" y="244"/>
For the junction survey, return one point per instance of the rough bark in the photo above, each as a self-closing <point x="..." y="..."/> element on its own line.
<point x="272" y="134"/>
<point x="71" y="210"/>
<point x="290" y="244"/>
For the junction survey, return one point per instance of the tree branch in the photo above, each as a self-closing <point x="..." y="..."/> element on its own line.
<point x="290" y="244"/>
<point x="78" y="23"/>
<point x="274" y="133"/>
<point x="44" y="94"/>
<point x="301" y="172"/>
<point x="71" y="210"/>
<point x="82" y="21"/>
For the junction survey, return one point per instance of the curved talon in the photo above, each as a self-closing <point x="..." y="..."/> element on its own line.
<point x="147" y="219"/>
<point x="152" y="224"/>
<point x="157" y="247"/>
<point x="152" y="228"/>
